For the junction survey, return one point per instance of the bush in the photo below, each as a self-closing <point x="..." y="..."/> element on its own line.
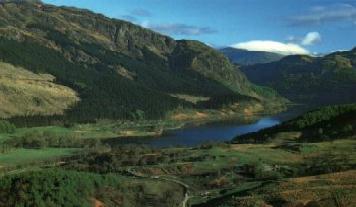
<point x="7" y="127"/>
<point x="348" y="129"/>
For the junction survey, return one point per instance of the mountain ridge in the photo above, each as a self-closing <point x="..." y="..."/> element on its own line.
<point x="114" y="64"/>
<point x="245" y="57"/>
<point x="330" y="79"/>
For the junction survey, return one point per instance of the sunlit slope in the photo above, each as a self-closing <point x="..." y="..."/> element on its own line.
<point x="25" y="93"/>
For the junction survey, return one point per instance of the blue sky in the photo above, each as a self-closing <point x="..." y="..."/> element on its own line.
<point x="285" y="26"/>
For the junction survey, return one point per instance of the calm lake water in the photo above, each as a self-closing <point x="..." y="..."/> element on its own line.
<point x="209" y="133"/>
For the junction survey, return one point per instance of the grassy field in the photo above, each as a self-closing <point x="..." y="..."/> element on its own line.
<point x="236" y="171"/>
<point x="4" y="137"/>
<point x="332" y="189"/>
<point x="20" y="157"/>
<point x="222" y="174"/>
<point x="97" y="131"/>
<point x="227" y="156"/>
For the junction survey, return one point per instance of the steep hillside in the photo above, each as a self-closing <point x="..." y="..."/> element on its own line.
<point x="304" y="79"/>
<point x="25" y="93"/>
<point x="117" y="68"/>
<point x="245" y="57"/>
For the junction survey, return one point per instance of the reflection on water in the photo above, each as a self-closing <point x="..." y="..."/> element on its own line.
<point x="213" y="132"/>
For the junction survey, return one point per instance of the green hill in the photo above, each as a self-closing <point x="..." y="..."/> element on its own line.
<point x="245" y="57"/>
<point x="116" y="67"/>
<point x="304" y="79"/>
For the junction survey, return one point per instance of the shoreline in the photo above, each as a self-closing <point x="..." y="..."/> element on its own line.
<point x="123" y="129"/>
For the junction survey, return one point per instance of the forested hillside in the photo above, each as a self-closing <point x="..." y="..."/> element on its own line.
<point x="324" y="124"/>
<point x="117" y="68"/>
<point x="304" y="79"/>
<point x="70" y="188"/>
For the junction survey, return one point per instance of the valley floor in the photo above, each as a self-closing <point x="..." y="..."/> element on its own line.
<point x="49" y="166"/>
<point x="211" y="175"/>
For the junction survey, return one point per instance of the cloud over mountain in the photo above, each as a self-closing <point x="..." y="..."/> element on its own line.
<point x="271" y="46"/>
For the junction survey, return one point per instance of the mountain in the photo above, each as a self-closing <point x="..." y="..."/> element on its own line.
<point x="245" y="57"/>
<point x="116" y="68"/>
<point x="305" y="79"/>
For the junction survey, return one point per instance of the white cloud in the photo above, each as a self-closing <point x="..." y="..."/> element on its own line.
<point x="272" y="46"/>
<point x="311" y="38"/>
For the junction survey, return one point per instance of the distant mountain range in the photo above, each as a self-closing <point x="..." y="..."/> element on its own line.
<point x="245" y="57"/>
<point x="305" y="79"/>
<point x="113" y="68"/>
